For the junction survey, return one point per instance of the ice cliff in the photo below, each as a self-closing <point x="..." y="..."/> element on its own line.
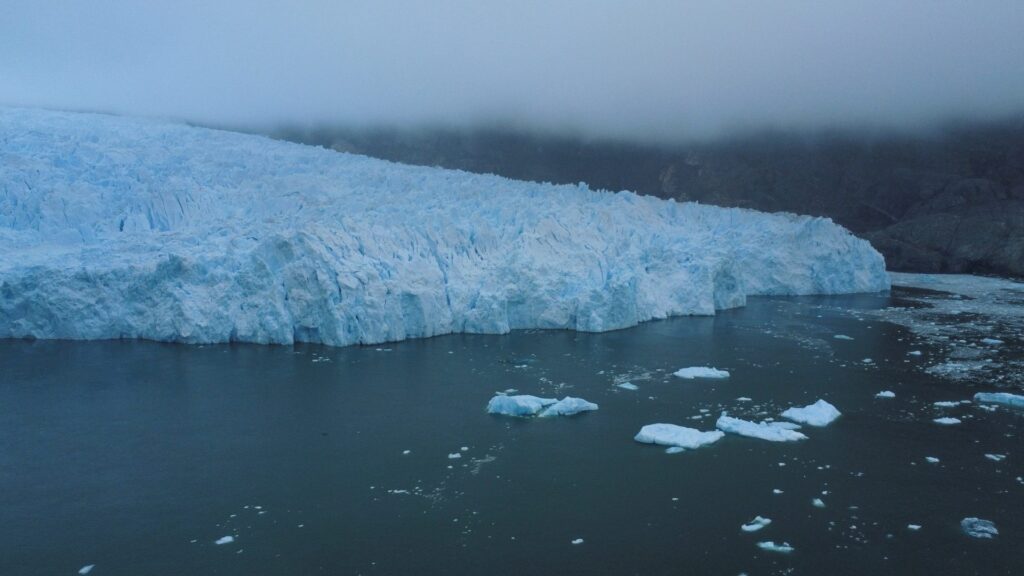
<point x="115" y="227"/>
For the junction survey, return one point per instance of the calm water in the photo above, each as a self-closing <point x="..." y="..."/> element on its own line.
<point x="137" y="456"/>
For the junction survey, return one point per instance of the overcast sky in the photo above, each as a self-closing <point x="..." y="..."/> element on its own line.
<point x="641" y="69"/>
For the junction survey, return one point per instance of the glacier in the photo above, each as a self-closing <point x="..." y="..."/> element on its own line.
<point x="115" y="227"/>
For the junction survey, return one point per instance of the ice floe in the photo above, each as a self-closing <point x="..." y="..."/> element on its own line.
<point x="770" y="431"/>
<point x="886" y="394"/>
<point x="567" y="406"/>
<point x="756" y="524"/>
<point x="224" y="540"/>
<point x="86" y="569"/>
<point x="782" y="548"/>
<point x="947" y="421"/>
<point x="979" y="528"/>
<point x="677" y="436"/>
<point x="700" y="372"/>
<point x="1001" y="398"/>
<point x="819" y="414"/>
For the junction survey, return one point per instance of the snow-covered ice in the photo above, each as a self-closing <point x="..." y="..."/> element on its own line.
<point x="886" y="394"/>
<point x="700" y="372"/>
<point x="115" y="227"/>
<point x="567" y="406"/>
<point x="819" y="414"/>
<point x="978" y="528"/>
<point x="947" y="421"/>
<point x="676" y="436"/>
<point x="782" y="548"/>
<point x="771" y="431"/>
<point x="756" y="524"/>
<point x="1001" y="398"/>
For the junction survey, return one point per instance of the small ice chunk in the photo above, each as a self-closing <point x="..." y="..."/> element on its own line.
<point x="771" y="431"/>
<point x="783" y="548"/>
<point x="568" y="406"/>
<point x="577" y="541"/>
<point x="700" y="372"/>
<point x="454" y="456"/>
<point x="842" y="337"/>
<point x="947" y="421"/>
<point x="914" y="353"/>
<point x="821" y="413"/>
<point x="776" y="491"/>
<point x="756" y="524"/>
<point x="868" y="361"/>
<point x="886" y="394"/>
<point x="978" y="528"/>
<point x="931" y="459"/>
<point x="945" y="404"/>
<point x="406" y="452"/>
<point x="678" y="436"/>
<point x="996" y="457"/>
<point x="224" y="540"/>
<point x="520" y="405"/>
<point x="991" y="341"/>
<point x="744" y="399"/>
<point x="1002" y="398"/>
<point x="913" y="527"/>
<point x="818" y="503"/>
<point x="628" y="386"/>
<point x="86" y="569"/>
<point x="674" y="450"/>
<point x="464" y="448"/>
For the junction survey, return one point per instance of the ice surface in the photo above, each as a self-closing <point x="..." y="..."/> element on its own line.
<point x="756" y="524"/>
<point x="115" y="227"/>
<point x="978" y="528"/>
<point x="771" y="431"/>
<point x="568" y="406"/>
<point x="886" y="394"/>
<point x="224" y="540"/>
<point x="821" y="413"/>
<point x="1001" y="398"/>
<point x="520" y="405"/>
<point x="700" y="372"/>
<point x="783" y="548"/>
<point x="677" y="436"/>
<point x="947" y="421"/>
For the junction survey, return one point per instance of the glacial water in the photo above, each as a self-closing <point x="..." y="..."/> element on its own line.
<point x="137" y="456"/>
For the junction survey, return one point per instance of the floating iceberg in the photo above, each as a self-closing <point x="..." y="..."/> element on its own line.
<point x="676" y="436"/>
<point x="568" y="406"/>
<point x="783" y="548"/>
<point x="821" y="413"/>
<point x="526" y="405"/>
<point x="978" y="528"/>
<point x="886" y="394"/>
<point x="771" y="431"/>
<point x="115" y="227"/>
<point x="756" y="524"/>
<point x="700" y="372"/>
<point x="1002" y="398"/>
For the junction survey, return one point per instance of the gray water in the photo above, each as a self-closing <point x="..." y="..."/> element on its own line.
<point x="137" y="456"/>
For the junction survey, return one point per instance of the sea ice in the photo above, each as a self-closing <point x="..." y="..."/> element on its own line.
<point x="756" y="524"/>
<point x="771" y="431"/>
<point x="783" y="548"/>
<point x="821" y="413"/>
<point x="114" y="227"/>
<point x="886" y="394"/>
<point x="568" y="406"/>
<point x="1001" y="398"/>
<point x="678" y="436"/>
<point x="947" y="421"/>
<point x="978" y="528"/>
<point x="520" y="405"/>
<point x="700" y="372"/>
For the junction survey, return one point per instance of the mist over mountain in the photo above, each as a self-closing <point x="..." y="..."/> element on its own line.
<point x="948" y="200"/>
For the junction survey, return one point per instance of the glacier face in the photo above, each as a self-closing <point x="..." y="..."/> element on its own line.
<point x="116" y="227"/>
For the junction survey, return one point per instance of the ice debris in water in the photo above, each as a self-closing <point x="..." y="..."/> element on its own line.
<point x="991" y="341"/>
<point x="931" y="459"/>
<point x="771" y="431"/>
<point x="886" y="394"/>
<point x="783" y="548"/>
<point x="526" y="405"/>
<point x="947" y="421"/>
<point x="756" y="524"/>
<point x="913" y="527"/>
<point x="700" y="372"/>
<point x="978" y="528"/>
<point x="996" y="457"/>
<point x="224" y="540"/>
<point x="577" y="541"/>
<point x="1001" y="398"/>
<point x="454" y="456"/>
<point x="241" y="238"/>
<point x="86" y="569"/>
<point x="628" y="386"/>
<point x="945" y="404"/>
<point x="567" y="406"/>
<point x="818" y="503"/>
<point x="676" y="436"/>
<point x="821" y="413"/>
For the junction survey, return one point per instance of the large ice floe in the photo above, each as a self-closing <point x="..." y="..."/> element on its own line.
<point x="525" y="405"/>
<point x="677" y="436"/>
<point x="770" y="431"/>
<point x="821" y="413"/>
<point x="115" y="227"/>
